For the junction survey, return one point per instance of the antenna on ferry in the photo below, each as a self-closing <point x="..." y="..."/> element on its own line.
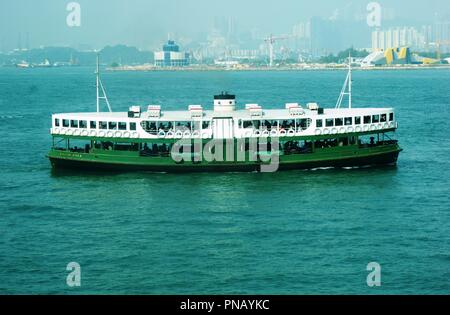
<point x="347" y="88"/>
<point x="99" y="85"/>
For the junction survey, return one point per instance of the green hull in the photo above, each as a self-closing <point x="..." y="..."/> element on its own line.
<point x="347" y="156"/>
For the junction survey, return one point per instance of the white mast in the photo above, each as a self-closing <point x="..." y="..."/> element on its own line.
<point x="99" y="85"/>
<point x="347" y="88"/>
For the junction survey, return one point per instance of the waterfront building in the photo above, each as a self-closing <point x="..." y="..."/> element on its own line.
<point x="171" y="56"/>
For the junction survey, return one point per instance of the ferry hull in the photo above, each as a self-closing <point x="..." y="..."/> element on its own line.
<point x="383" y="157"/>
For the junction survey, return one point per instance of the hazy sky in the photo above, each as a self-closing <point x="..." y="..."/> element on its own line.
<point x="144" y="23"/>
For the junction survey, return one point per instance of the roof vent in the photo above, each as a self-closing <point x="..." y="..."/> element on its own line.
<point x="196" y="110"/>
<point x="154" y="111"/>
<point x="312" y="106"/>
<point x="134" y="111"/>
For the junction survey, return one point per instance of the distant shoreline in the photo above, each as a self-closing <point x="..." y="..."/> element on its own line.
<point x="149" y="68"/>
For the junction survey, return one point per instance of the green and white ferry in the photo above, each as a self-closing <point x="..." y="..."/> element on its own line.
<point x="225" y="138"/>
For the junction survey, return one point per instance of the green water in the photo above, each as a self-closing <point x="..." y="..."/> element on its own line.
<point x="296" y="232"/>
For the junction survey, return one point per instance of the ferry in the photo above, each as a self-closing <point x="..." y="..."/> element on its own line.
<point x="225" y="138"/>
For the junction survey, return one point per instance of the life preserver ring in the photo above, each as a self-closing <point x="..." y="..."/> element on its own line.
<point x="118" y="134"/>
<point x="135" y="135"/>
<point x="169" y="134"/>
<point x="318" y="132"/>
<point x="187" y="134"/>
<point x="291" y="132"/>
<point x="282" y="133"/>
<point x="392" y="124"/>
<point x="205" y="134"/>
<point x="350" y="129"/>
<point x="196" y="134"/>
<point x="366" y="128"/>
<point x="265" y="133"/>
<point x="178" y="134"/>
<point x="56" y="130"/>
<point x="326" y="131"/>
<point x="372" y="127"/>
<point x="385" y="125"/>
<point x="358" y="129"/>
<point x="379" y="126"/>
<point x="101" y="133"/>
<point x="84" y="133"/>
<point x="257" y="133"/>
<point x="92" y="133"/>
<point x="76" y="132"/>
<point x="342" y="130"/>
<point x="126" y="134"/>
<point x="161" y="134"/>
<point x="334" y="131"/>
<point x="69" y="132"/>
<point x="248" y="134"/>
<point x="273" y="133"/>
<point x="110" y="134"/>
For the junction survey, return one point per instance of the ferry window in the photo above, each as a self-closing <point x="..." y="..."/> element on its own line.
<point x="103" y="125"/>
<point x="348" y="121"/>
<point x="132" y="126"/>
<point x="122" y="126"/>
<point x="375" y="118"/>
<point x="367" y="119"/>
<point x="338" y="122"/>
<point x="83" y="124"/>
<point x="286" y="124"/>
<point x="383" y="117"/>
<point x="93" y="124"/>
<point x="257" y="124"/>
<point x="329" y="122"/>
<point x="391" y="116"/>
<point x="74" y="123"/>
<point x="247" y="124"/>
<point x="65" y="123"/>
<point x="303" y="123"/>
<point x="56" y="122"/>
<point x="357" y="120"/>
<point x="205" y="124"/>
<point x="112" y="125"/>
<point x="319" y="123"/>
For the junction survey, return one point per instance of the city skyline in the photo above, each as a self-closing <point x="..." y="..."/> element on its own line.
<point x="147" y="24"/>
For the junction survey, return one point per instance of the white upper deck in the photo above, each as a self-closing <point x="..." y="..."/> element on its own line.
<point x="224" y="121"/>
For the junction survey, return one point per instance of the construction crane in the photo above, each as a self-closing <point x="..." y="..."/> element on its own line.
<point x="438" y="48"/>
<point x="271" y="41"/>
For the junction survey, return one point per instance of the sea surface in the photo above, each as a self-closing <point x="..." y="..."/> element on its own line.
<point x="291" y="232"/>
